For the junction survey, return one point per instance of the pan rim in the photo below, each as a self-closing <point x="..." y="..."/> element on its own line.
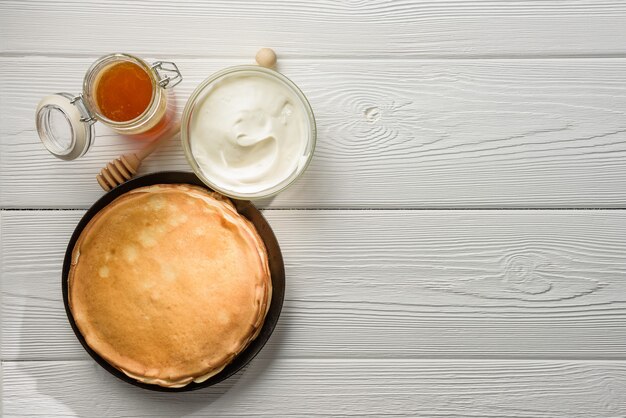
<point x="246" y="209"/>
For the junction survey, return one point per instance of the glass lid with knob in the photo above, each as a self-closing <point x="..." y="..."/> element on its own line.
<point x="248" y="131"/>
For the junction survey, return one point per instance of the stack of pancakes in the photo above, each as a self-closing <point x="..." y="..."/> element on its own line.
<point x="168" y="283"/>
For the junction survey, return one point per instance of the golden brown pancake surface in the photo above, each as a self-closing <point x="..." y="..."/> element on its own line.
<point x="168" y="283"/>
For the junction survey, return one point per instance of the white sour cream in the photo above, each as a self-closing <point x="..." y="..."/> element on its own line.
<point x="249" y="133"/>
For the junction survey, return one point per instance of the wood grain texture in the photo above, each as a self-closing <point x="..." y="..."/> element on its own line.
<point x="296" y="387"/>
<point x="322" y="29"/>
<point x="384" y="284"/>
<point x="428" y="134"/>
<point x="420" y="104"/>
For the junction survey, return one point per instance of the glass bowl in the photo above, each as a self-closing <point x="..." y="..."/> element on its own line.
<point x="191" y="112"/>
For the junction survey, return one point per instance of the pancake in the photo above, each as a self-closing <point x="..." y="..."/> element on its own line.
<point x="168" y="283"/>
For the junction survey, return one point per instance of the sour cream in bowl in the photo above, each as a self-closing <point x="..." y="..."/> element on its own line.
<point x="248" y="132"/>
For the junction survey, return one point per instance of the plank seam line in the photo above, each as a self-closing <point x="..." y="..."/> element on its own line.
<point x="424" y="359"/>
<point x="338" y="57"/>
<point x="373" y="209"/>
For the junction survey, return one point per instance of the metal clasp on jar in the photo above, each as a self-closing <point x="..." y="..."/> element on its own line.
<point x="85" y="114"/>
<point x="168" y="74"/>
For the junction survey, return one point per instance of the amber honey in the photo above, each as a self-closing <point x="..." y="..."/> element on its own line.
<point x="123" y="92"/>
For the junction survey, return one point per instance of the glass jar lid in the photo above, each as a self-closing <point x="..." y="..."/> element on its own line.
<point x="64" y="125"/>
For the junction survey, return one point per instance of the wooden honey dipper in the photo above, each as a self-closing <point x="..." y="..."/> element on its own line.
<point x="125" y="167"/>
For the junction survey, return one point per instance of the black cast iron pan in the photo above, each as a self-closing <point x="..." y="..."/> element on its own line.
<point x="246" y="209"/>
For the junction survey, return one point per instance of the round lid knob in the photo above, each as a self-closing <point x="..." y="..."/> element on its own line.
<point x="64" y="125"/>
<point x="266" y="57"/>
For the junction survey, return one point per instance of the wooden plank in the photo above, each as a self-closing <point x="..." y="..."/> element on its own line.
<point x="428" y="134"/>
<point x="324" y="29"/>
<point x="384" y="284"/>
<point x="297" y="387"/>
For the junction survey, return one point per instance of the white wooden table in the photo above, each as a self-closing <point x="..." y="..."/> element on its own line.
<point x="456" y="249"/>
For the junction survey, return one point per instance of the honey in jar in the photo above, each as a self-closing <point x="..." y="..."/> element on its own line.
<point x="123" y="91"/>
<point x="129" y="96"/>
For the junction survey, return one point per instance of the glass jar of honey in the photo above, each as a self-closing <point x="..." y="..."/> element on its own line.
<point x="123" y="92"/>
